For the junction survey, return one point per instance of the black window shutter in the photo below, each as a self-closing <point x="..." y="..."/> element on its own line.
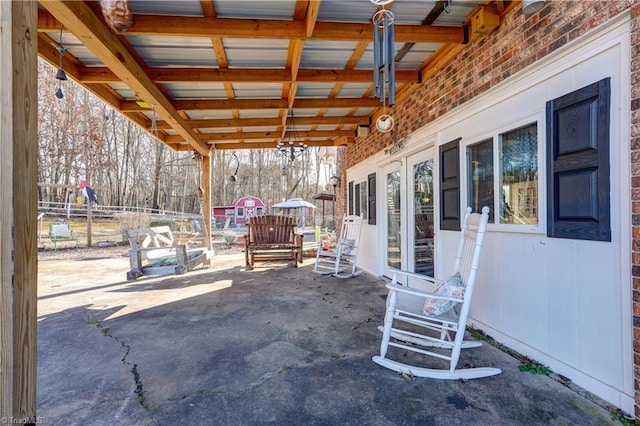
<point x="372" y="198"/>
<point x="351" y="197"/>
<point x="450" y="185"/>
<point x="578" y="204"/>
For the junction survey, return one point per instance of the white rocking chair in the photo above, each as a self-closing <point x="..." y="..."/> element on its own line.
<point x="436" y="305"/>
<point x="342" y="260"/>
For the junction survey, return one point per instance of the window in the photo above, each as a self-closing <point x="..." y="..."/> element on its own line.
<point x="259" y="211"/>
<point x="480" y="157"/>
<point x="517" y="176"/>
<point x="240" y="211"/>
<point x="363" y="199"/>
<point x="360" y="201"/>
<point x="578" y="203"/>
<point x="350" y="197"/>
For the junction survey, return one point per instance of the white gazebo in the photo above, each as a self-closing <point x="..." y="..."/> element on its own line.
<point x="298" y="208"/>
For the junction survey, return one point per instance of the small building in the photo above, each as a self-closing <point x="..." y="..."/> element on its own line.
<point x="240" y="212"/>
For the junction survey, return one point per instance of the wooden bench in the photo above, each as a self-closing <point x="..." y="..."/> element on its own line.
<point x="157" y="246"/>
<point x="61" y="231"/>
<point x="272" y="237"/>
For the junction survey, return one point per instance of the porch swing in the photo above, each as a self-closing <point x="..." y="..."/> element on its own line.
<point x="155" y="250"/>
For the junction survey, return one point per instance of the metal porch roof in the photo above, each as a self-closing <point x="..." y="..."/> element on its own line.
<point x="227" y="74"/>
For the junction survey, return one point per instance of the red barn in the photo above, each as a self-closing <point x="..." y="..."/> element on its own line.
<point x="240" y="212"/>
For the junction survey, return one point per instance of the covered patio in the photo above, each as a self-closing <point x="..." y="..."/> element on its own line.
<point x="228" y="346"/>
<point x="275" y="345"/>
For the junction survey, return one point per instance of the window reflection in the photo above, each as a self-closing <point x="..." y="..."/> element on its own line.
<point x="424" y="235"/>
<point x="519" y="197"/>
<point x="481" y="176"/>
<point x="394" y="252"/>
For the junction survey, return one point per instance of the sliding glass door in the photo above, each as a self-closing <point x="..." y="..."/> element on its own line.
<point x="422" y="229"/>
<point x="394" y="253"/>
<point x="409" y="219"/>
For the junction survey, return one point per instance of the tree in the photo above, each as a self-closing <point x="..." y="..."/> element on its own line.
<point x="81" y="138"/>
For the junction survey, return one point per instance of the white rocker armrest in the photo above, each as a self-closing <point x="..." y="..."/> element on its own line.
<point x="421" y="293"/>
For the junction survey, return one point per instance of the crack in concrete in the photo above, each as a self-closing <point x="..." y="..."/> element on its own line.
<point x="139" y="391"/>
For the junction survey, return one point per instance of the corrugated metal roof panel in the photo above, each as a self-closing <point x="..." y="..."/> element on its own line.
<point x="363" y="112"/>
<point x="314" y="90"/>
<point x="366" y="60"/>
<point x="76" y="49"/>
<point x="180" y="8"/>
<point x="257" y="90"/>
<point x="346" y="11"/>
<point x="411" y="11"/>
<point x="458" y="13"/>
<point x="417" y="55"/>
<point x="253" y="53"/>
<point x="158" y="51"/>
<point x="327" y="54"/>
<point x="259" y="113"/>
<point x="294" y="131"/>
<point x="123" y="90"/>
<point x="196" y="90"/>
<point x="255" y="9"/>
<point x="354" y="90"/>
<point x="260" y="53"/>
<point x="300" y="112"/>
<point x="305" y="112"/>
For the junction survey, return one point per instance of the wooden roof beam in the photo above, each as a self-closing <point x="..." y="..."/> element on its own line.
<point x="308" y="13"/>
<point x="267" y="145"/>
<point x="232" y="136"/>
<point x="282" y="103"/>
<point x="166" y="25"/>
<point x="279" y="29"/>
<point x="86" y="74"/>
<point x="263" y="122"/>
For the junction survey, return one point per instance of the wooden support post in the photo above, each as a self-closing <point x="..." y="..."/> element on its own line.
<point x="18" y="209"/>
<point x="89" y="221"/>
<point x="206" y="204"/>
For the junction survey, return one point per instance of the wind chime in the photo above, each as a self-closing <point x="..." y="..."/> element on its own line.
<point x="384" y="68"/>
<point x="60" y="74"/>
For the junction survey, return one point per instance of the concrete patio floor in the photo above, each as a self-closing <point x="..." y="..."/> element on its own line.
<point x="276" y="345"/>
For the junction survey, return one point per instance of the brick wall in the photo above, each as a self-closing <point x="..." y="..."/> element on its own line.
<point x="517" y="43"/>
